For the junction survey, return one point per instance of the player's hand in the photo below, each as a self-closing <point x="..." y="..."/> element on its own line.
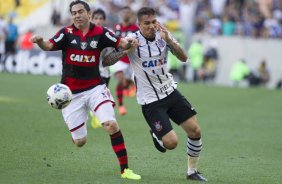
<point x="164" y="32"/>
<point x="36" y="39"/>
<point x="133" y="45"/>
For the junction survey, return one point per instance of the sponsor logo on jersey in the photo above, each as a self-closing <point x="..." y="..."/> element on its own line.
<point x="83" y="45"/>
<point x="153" y="63"/>
<point x="165" y="86"/>
<point x="59" y="38"/>
<point x="82" y="58"/>
<point x="93" y="44"/>
<point x="111" y="37"/>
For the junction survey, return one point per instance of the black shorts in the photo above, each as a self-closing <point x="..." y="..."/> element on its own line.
<point x="175" y="107"/>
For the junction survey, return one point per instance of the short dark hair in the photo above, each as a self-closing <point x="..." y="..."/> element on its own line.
<point x="145" y="11"/>
<point x="99" y="12"/>
<point x="85" y="4"/>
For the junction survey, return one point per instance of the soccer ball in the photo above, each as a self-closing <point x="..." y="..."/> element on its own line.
<point x="59" y="96"/>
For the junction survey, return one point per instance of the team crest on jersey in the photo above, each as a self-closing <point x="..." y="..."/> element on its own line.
<point x="158" y="126"/>
<point x="93" y="44"/>
<point x="160" y="42"/>
<point x="83" y="45"/>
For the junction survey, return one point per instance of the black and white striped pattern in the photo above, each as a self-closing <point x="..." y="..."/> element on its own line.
<point x="149" y="64"/>
<point x="194" y="147"/>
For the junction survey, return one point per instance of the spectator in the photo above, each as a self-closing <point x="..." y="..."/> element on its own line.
<point x="208" y="70"/>
<point x="3" y="33"/>
<point x="228" y="26"/>
<point x="24" y="40"/>
<point x="239" y="72"/>
<point x="12" y="37"/>
<point x="196" y="57"/>
<point x="56" y="17"/>
<point x="260" y="76"/>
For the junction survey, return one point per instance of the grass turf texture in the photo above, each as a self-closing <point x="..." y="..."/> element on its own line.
<point x="241" y="131"/>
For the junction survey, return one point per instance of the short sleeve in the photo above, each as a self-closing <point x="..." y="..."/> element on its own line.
<point x="108" y="39"/>
<point x="59" y="40"/>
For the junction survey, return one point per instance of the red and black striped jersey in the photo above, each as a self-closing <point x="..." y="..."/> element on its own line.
<point x="123" y="31"/>
<point x="80" y="55"/>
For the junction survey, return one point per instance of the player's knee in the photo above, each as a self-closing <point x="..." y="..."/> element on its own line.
<point x="79" y="142"/>
<point x="196" y="132"/>
<point x="170" y="140"/>
<point x="111" y="127"/>
<point x="171" y="144"/>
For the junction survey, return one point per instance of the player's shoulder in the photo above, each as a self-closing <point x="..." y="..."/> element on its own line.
<point x="97" y="29"/>
<point x="67" y="29"/>
<point x="134" y="27"/>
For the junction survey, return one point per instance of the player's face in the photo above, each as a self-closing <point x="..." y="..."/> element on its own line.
<point x="126" y="15"/>
<point x="148" y="25"/>
<point x="98" y="20"/>
<point x="80" y="16"/>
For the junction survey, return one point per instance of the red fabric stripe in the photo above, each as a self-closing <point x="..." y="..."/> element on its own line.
<point x="119" y="94"/>
<point x="97" y="107"/>
<point x="77" y="84"/>
<point x="117" y="43"/>
<point x="78" y="127"/>
<point x="123" y="160"/>
<point x="119" y="147"/>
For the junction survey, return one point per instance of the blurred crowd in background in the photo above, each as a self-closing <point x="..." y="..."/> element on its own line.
<point x="252" y="18"/>
<point x="258" y="19"/>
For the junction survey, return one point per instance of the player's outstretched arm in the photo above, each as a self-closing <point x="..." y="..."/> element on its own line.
<point x="114" y="57"/>
<point x="44" y="45"/>
<point x="174" y="46"/>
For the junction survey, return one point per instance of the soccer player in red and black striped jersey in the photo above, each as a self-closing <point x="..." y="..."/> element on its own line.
<point x="123" y="72"/>
<point x="81" y="44"/>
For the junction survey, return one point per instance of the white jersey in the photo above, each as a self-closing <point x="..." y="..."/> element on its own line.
<point x="149" y="65"/>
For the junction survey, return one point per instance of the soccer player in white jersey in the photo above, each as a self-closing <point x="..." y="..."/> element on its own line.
<point x="99" y="18"/>
<point x="156" y="89"/>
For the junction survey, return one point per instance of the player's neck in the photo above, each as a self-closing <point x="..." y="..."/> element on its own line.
<point x="84" y="29"/>
<point x="126" y="24"/>
<point x="147" y="37"/>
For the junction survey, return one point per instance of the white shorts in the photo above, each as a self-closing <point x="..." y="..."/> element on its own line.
<point x="121" y="66"/>
<point x="99" y="100"/>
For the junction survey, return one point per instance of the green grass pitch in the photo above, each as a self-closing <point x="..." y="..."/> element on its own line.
<point x="241" y="131"/>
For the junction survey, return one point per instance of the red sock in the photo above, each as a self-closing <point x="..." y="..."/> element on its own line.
<point x="119" y="93"/>
<point x="120" y="150"/>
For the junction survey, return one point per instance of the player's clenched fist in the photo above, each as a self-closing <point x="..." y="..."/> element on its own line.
<point x="36" y="39"/>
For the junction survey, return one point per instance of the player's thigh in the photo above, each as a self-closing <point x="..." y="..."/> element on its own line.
<point x="120" y="67"/>
<point x="105" y="113"/>
<point x="128" y="72"/>
<point x="75" y="116"/>
<point x="157" y="119"/>
<point x="180" y="109"/>
<point x="101" y="103"/>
